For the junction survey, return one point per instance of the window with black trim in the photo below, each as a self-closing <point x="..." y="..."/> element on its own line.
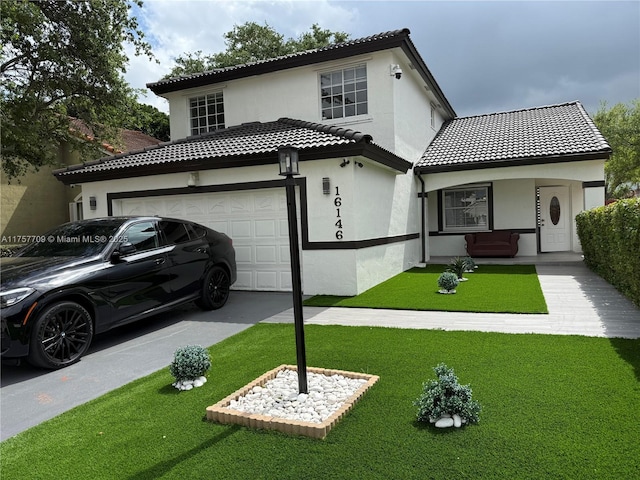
<point x="206" y="113"/>
<point x="343" y="93"/>
<point x="466" y="208"/>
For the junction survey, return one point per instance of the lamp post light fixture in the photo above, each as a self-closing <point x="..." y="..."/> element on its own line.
<point x="288" y="159"/>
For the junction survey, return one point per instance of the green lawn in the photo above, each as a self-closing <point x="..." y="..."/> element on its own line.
<point x="491" y="288"/>
<point x="561" y="407"/>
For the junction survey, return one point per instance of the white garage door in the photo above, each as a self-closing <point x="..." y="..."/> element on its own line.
<point x="256" y="220"/>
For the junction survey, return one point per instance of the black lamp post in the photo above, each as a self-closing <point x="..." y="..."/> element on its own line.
<point x="288" y="159"/>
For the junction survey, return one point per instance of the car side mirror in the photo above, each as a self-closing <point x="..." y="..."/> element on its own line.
<point x="123" y="249"/>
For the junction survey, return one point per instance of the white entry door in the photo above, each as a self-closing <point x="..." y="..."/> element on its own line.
<point x="555" y="219"/>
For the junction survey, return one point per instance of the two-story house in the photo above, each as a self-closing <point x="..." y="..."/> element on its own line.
<point x="389" y="176"/>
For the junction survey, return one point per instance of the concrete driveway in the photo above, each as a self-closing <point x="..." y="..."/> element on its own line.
<point x="29" y="396"/>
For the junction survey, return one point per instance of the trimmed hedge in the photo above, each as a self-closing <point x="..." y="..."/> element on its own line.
<point x="610" y="238"/>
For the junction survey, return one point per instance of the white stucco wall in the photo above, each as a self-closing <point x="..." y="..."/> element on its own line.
<point x="398" y="116"/>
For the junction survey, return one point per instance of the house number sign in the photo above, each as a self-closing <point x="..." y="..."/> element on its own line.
<point x="337" y="202"/>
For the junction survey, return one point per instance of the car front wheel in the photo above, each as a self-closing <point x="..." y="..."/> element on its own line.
<point x="61" y="335"/>
<point x="215" y="289"/>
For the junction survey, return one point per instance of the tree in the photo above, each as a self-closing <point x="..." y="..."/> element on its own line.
<point x="147" y="119"/>
<point x="620" y="125"/>
<point x="62" y="58"/>
<point x="252" y="42"/>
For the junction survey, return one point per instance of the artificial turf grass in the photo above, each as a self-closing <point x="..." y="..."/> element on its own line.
<point x="489" y="289"/>
<point x="553" y="406"/>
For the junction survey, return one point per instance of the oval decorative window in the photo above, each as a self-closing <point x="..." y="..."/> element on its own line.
<point x="554" y="210"/>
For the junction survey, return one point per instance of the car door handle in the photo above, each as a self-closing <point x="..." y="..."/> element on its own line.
<point x="159" y="261"/>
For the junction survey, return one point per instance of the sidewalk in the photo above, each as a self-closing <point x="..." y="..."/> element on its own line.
<point x="579" y="303"/>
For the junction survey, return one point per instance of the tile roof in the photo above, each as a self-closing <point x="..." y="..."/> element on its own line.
<point x="164" y="84"/>
<point x="360" y="46"/>
<point x="244" y="145"/>
<point x="553" y="133"/>
<point x="129" y="139"/>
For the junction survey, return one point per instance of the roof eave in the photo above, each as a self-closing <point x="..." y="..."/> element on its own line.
<point x="514" y="162"/>
<point x="414" y="56"/>
<point x="259" y="68"/>
<point x="364" y="149"/>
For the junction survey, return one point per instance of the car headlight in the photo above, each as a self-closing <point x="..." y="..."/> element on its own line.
<point x="11" y="297"/>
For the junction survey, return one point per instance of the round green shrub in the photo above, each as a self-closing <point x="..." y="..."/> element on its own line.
<point x="448" y="281"/>
<point x="446" y="396"/>
<point x="190" y="362"/>
<point x="470" y="264"/>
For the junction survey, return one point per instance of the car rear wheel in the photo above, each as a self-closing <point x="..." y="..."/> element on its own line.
<point x="215" y="289"/>
<point x="61" y="335"/>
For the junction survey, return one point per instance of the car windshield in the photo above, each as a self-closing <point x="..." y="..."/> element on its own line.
<point x="72" y="240"/>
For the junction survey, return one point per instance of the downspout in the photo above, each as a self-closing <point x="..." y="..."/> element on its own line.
<point x="422" y="220"/>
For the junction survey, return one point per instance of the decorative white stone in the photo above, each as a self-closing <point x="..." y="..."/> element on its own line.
<point x="279" y="397"/>
<point x="444" y="422"/>
<point x="457" y="421"/>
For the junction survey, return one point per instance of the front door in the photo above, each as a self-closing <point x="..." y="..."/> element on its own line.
<point x="555" y="219"/>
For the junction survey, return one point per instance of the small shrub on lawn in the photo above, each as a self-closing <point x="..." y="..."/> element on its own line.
<point x="190" y="362"/>
<point x="448" y="281"/>
<point x="458" y="266"/>
<point x="445" y="396"/>
<point x="470" y="264"/>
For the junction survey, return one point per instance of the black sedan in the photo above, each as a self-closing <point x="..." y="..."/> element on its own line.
<point x="86" y="277"/>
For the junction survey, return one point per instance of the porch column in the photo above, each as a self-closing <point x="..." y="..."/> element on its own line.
<point x="594" y="194"/>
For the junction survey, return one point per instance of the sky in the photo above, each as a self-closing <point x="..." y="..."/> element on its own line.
<point x="487" y="56"/>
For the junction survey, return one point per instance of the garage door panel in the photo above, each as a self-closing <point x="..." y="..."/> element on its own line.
<point x="285" y="282"/>
<point x="266" y="202"/>
<point x="244" y="254"/>
<point x="265" y="228"/>
<point x="240" y="206"/>
<point x="241" y="229"/>
<point x="266" y="280"/>
<point x="285" y="255"/>
<point x="266" y="254"/>
<point x="255" y="220"/>
<point x="174" y="208"/>
<point x="244" y="281"/>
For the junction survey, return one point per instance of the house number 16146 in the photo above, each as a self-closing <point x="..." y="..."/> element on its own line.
<point x="337" y="202"/>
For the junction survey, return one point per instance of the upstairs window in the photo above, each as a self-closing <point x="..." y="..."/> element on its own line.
<point x="466" y="208"/>
<point x="343" y="93"/>
<point x="206" y="113"/>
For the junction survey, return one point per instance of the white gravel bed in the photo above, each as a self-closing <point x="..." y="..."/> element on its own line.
<point x="280" y="396"/>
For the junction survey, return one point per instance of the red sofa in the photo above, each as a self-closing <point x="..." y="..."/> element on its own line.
<point x="501" y="243"/>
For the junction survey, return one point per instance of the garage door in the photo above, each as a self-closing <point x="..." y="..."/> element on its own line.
<point x="256" y="220"/>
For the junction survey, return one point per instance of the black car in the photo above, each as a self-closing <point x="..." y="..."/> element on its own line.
<point x="86" y="277"/>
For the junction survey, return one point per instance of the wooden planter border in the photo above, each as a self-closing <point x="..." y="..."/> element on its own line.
<point x="220" y="412"/>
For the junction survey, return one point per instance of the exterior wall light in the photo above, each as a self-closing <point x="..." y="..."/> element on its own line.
<point x="193" y="180"/>
<point x="93" y="203"/>
<point x="326" y="186"/>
